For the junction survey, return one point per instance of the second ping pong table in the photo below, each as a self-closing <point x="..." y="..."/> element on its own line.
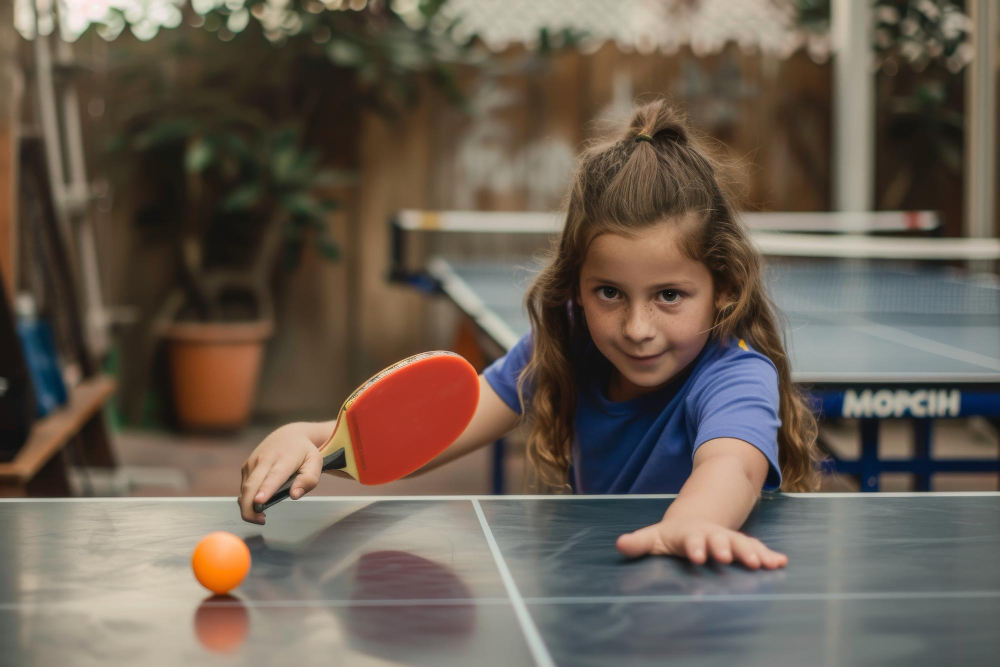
<point x="867" y="342"/>
<point x="889" y="579"/>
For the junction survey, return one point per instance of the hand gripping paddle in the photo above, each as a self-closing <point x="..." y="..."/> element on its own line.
<point x="399" y="420"/>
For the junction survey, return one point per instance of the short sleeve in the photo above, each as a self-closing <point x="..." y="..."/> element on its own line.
<point x="502" y="374"/>
<point x="739" y="399"/>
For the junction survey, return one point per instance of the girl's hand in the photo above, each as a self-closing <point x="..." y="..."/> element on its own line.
<point x="696" y="540"/>
<point x="285" y="451"/>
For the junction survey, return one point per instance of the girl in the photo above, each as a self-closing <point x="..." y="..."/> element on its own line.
<point x="655" y="362"/>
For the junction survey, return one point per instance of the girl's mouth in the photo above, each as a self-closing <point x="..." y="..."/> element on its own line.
<point x="644" y="359"/>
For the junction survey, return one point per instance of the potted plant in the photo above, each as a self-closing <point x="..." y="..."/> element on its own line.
<point x="229" y="130"/>
<point x="266" y="197"/>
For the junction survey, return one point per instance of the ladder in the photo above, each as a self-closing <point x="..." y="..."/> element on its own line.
<point x="53" y="76"/>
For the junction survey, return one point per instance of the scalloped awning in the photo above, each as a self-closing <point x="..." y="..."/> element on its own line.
<point x="645" y="26"/>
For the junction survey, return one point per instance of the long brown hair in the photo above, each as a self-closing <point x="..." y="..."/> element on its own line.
<point x="655" y="170"/>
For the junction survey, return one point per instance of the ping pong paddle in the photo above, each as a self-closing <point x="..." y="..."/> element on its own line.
<point x="399" y="419"/>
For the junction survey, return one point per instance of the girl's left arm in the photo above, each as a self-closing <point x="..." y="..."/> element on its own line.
<point x="716" y="499"/>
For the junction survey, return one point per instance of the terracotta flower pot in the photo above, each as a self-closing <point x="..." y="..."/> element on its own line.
<point x="214" y="368"/>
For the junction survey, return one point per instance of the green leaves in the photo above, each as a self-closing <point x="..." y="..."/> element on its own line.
<point x="346" y="53"/>
<point x="307" y="206"/>
<point x="327" y="248"/>
<point x="294" y="182"/>
<point x="198" y="156"/>
<point x="224" y="124"/>
<point x="290" y="165"/>
<point x="243" y="198"/>
<point x="296" y="233"/>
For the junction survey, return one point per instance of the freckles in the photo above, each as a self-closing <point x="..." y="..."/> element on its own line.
<point x="681" y="321"/>
<point x="600" y="323"/>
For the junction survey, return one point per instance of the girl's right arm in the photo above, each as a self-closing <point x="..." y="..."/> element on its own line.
<point x="294" y="448"/>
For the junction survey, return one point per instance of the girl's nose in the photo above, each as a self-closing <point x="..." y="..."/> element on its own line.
<point x="638" y="324"/>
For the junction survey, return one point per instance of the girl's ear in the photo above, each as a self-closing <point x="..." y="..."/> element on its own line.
<point x="722" y="299"/>
<point x="725" y="296"/>
<point x="724" y="304"/>
<point x="583" y="317"/>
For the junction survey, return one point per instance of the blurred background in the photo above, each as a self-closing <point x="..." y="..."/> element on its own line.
<point x="181" y="177"/>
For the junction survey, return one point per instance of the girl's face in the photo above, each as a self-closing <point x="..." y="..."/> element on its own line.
<point x="649" y="307"/>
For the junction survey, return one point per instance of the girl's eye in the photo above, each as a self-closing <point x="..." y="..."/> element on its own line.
<point x="606" y="292"/>
<point x="671" y="295"/>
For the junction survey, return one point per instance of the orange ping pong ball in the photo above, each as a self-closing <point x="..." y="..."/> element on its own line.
<point x="220" y="561"/>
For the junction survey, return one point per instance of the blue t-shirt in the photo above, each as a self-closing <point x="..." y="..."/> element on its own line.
<point x="647" y="444"/>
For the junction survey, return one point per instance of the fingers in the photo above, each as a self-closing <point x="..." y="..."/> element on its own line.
<point x="307" y="476"/>
<point x="746" y="551"/>
<point x="730" y="546"/>
<point x="271" y="479"/>
<point x="753" y="554"/>
<point x="247" y="490"/>
<point x="641" y="542"/>
<point x="719" y="545"/>
<point x="769" y="559"/>
<point x="261" y="478"/>
<point x="695" y="548"/>
<point x="286" y="451"/>
<point x="699" y="543"/>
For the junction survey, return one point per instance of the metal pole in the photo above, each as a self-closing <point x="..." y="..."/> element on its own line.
<point x="11" y="92"/>
<point x="981" y="129"/>
<point x="854" y="106"/>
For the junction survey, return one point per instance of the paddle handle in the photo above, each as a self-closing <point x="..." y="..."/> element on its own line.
<point x="334" y="461"/>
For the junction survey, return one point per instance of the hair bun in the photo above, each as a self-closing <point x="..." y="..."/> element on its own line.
<point x="660" y="121"/>
<point x="672" y="134"/>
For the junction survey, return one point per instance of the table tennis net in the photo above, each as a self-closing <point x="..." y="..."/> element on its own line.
<point x="880" y="286"/>
<point x="806" y="273"/>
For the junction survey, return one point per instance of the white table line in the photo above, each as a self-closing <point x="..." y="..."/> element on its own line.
<point x="531" y="634"/>
<point x="537" y="601"/>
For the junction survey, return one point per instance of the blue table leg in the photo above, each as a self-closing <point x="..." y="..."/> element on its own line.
<point x="922" y="454"/>
<point x="869" y="472"/>
<point x="498" y="457"/>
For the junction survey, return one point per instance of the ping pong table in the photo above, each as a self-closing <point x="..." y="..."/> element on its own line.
<point x="868" y="342"/>
<point x="888" y="579"/>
